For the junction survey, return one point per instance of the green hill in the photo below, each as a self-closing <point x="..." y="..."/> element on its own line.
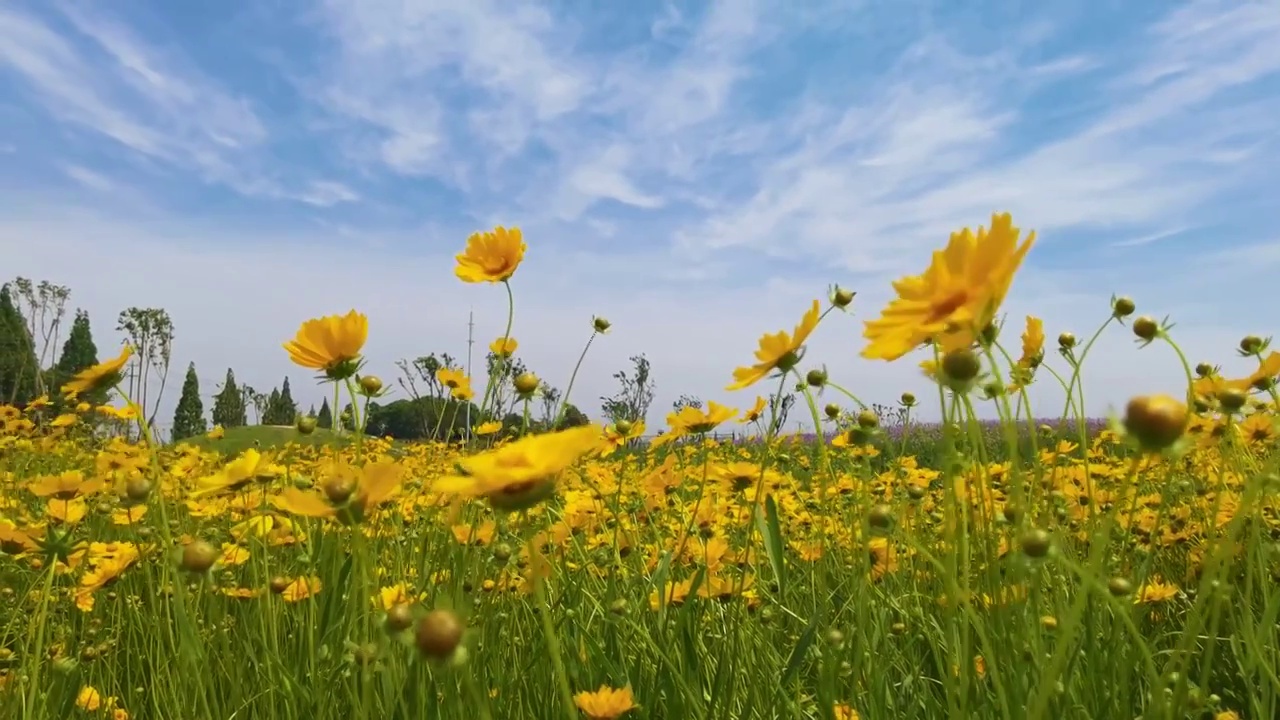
<point x="239" y="439"/>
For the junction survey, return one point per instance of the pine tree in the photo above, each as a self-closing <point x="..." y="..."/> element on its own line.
<point x="325" y="418"/>
<point x="228" y="404"/>
<point x="78" y="353"/>
<point x="18" y="363"/>
<point x="188" y="419"/>
<point x="288" y="408"/>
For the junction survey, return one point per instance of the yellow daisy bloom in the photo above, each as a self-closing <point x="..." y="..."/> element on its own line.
<point x="955" y="298"/>
<point x="522" y="473"/>
<point x="330" y="344"/>
<point x="778" y="350"/>
<point x="491" y="256"/>
<point x="98" y="377"/>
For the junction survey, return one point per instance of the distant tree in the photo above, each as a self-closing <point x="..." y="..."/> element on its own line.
<point x="503" y="372"/>
<point x="685" y="401"/>
<point x="228" y="404"/>
<point x="288" y="408"/>
<point x="271" y="412"/>
<point x="150" y="332"/>
<point x="19" y="366"/>
<point x="42" y="306"/>
<point x="632" y="401"/>
<point x="78" y="352"/>
<point x="188" y="418"/>
<point x="348" y="418"/>
<point x="325" y="418"/>
<point x="549" y="397"/>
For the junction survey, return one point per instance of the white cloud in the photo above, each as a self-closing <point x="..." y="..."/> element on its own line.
<point x="931" y="151"/>
<point x="89" y="178"/>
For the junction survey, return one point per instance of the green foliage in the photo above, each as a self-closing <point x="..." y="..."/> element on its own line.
<point x="421" y="418"/>
<point x="229" y="405"/>
<point x="19" y="367"/>
<point x="78" y="352"/>
<point x="188" y="418"/>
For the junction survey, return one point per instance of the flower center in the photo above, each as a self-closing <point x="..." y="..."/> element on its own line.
<point x="949" y="304"/>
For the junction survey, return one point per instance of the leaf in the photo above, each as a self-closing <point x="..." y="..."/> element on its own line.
<point x="771" y="533"/>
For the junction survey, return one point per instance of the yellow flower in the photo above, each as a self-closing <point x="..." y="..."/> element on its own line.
<point x="955" y="298"/>
<point x="692" y="421"/>
<point x="98" y="377"/>
<point x="1032" y="342"/>
<point x="756" y="411"/>
<point x="88" y="699"/>
<point x="348" y="494"/>
<point x="779" y="350"/>
<point x="605" y="703"/>
<point x="330" y="344"/>
<point x="489" y="428"/>
<point x="217" y="433"/>
<point x="491" y="256"/>
<point x="504" y="347"/>
<point x="524" y="472"/>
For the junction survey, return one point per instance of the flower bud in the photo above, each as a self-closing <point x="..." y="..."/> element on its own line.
<point x="1146" y="328"/>
<point x="198" y="557"/>
<point x="306" y="425"/>
<point x="989" y="334"/>
<point x="816" y="378"/>
<point x="868" y="419"/>
<point x="1036" y="543"/>
<point x="137" y="489"/>
<point x="371" y="384"/>
<point x="832" y="411"/>
<point x="1123" y="307"/>
<point x="880" y="517"/>
<point x="1232" y="399"/>
<point x="338" y="489"/>
<point x="1204" y="370"/>
<point x="907" y="399"/>
<point x="961" y="365"/>
<point x="623" y="427"/>
<point x="438" y="635"/>
<point x="600" y="325"/>
<point x="1157" y="421"/>
<point x="526" y="383"/>
<point x="1250" y="344"/>
<point x="1066" y="341"/>
<point x="842" y="298"/>
<point x="1119" y="587"/>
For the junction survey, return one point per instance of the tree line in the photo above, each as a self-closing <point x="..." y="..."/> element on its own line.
<point x="31" y="324"/>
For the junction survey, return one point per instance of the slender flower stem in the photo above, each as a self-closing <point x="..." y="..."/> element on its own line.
<point x="564" y="401"/>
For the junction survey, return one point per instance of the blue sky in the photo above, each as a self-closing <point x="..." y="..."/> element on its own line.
<point x="696" y="172"/>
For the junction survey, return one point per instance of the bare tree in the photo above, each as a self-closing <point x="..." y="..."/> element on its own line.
<point x="150" y="331"/>
<point x="42" y="306"/>
<point x="635" y="395"/>
<point x="548" y="397"/>
<point x="685" y="401"/>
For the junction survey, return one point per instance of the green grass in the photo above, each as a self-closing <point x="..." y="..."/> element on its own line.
<point x="265" y="437"/>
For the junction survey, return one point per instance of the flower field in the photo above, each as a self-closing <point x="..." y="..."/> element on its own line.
<point x="1018" y="568"/>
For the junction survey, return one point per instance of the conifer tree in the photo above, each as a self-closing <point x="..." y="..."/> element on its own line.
<point x="188" y="418"/>
<point x="228" y="404"/>
<point x="288" y="408"/>
<point x="325" y="418"/>
<point x="271" y="416"/>
<point x="18" y="364"/>
<point x="78" y="352"/>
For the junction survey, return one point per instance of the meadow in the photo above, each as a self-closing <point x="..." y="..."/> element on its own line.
<point x="1021" y="568"/>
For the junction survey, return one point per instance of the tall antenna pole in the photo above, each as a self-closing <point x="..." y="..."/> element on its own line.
<point x="471" y="326"/>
